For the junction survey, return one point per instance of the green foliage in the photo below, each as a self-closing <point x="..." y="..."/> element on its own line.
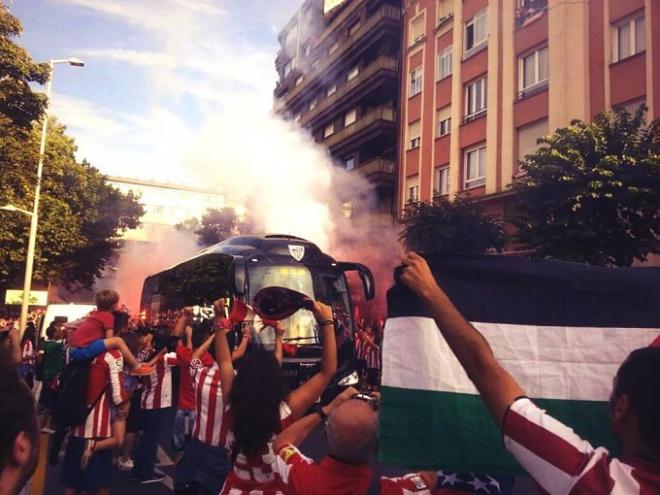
<point x="19" y="105"/>
<point x="592" y="193"/>
<point x="80" y="214"/>
<point x="458" y="226"/>
<point x="219" y="224"/>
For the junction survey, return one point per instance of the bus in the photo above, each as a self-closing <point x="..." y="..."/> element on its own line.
<point x="239" y="267"/>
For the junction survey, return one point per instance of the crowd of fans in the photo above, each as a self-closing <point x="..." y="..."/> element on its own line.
<point x="238" y="428"/>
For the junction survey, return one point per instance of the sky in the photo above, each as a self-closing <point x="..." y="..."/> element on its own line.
<point x="158" y="74"/>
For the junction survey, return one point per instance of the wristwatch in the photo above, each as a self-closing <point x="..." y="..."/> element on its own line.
<point x="318" y="409"/>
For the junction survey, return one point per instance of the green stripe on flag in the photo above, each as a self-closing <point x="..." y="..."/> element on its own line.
<point x="458" y="433"/>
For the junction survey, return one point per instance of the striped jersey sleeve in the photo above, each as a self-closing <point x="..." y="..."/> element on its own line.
<point x="553" y="454"/>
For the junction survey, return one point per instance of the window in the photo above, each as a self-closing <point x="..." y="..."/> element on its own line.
<point x="628" y="38"/>
<point x="329" y="130"/>
<point x="475" y="167"/>
<point x="476" y="31"/>
<point x="475" y="98"/>
<point x="333" y="48"/>
<point x="443" y="120"/>
<point x="307" y="49"/>
<point x="350" y="117"/>
<point x="331" y="90"/>
<point x="287" y="68"/>
<point x="353" y="28"/>
<point x="414" y="132"/>
<point x="299" y="79"/>
<point x="349" y="163"/>
<point x="297" y="118"/>
<point x="413" y="194"/>
<point x="415" y="81"/>
<point x="444" y="63"/>
<point x="412" y="188"/>
<point x="315" y="64"/>
<point x="416" y="29"/>
<point x="527" y="137"/>
<point x="353" y="73"/>
<point x="441" y="181"/>
<point x="313" y="103"/>
<point x="533" y="68"/>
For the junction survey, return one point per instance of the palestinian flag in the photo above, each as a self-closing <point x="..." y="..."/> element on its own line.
<point x="561" y="329"/>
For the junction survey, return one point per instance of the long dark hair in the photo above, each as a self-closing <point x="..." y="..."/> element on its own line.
<point x="29" y="334"/>
<point x="256" y="394"/>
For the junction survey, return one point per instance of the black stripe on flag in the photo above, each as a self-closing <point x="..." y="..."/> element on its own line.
<point x="505" y="289"/>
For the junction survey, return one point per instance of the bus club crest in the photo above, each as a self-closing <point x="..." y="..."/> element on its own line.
<point x="298" y="252"/>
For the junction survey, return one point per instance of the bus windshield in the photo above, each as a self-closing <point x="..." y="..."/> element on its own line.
<point x="300" y="328"/>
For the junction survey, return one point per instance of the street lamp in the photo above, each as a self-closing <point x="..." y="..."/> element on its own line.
<point x="16" y="208"/>
<point x="29" y="261"/>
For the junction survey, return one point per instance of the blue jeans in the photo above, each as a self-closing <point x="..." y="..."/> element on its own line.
<point x="147" y="449"/>
<point x="183" y="425"/>
<point x="88" y="352"/>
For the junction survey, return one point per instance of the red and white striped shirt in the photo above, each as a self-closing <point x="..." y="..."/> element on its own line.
<point x="208" y="404"/>
<point x="372" y="353"/>
<point x="564" y="464"/>
<point x="27" y="352"/>
<point x="157" y="393"/>
<point x="259" y="473"/>
<point x="104" y="378"/>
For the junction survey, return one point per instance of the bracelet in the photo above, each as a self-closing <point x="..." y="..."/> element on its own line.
<point x="324" y="323"/>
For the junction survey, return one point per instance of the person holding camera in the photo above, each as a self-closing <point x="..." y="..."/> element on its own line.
<point x="351" y="424"/>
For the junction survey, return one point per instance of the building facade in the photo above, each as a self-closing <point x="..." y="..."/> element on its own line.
<point x="165" y="205"/>
<point x="339" y="78"/>
<point x="483" y="80"/>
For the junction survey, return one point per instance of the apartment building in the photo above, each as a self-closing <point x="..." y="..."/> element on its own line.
<point x="339" y="78"/>
<point x="482" y="80"/>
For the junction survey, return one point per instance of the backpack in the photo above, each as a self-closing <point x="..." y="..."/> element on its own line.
<point x="72" y="409"/>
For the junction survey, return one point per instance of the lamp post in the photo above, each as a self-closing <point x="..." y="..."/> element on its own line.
<point x="34" y="221"/>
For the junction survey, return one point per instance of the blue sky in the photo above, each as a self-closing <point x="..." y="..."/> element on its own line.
<point x="158" y="73"/>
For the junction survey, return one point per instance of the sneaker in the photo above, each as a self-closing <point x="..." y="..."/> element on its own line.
<point x="125" y="465"/>
<point x="143" y="370"/>
<point x="154" y="478"/>
<point x="90" y="446"/>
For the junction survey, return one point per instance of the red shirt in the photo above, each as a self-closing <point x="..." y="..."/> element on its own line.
<point x="157" y="392"/>
<point x="330" y="476"/>
<point x="92" y="328"/>
<point x="186" y="389"/>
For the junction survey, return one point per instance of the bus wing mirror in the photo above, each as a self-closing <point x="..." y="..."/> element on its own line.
<point x="239" y="278"/>
<point x="365" y="275"/>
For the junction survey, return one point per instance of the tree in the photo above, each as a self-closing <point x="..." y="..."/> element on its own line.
<point x="19" y="105"/>
<point x="219" y="224"/>
<point x="591" y="193"/>
<point x="457" y="226"/>
<point x="80" y="215"/>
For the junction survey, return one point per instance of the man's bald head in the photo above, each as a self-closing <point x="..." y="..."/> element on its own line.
<point x="352" y="432"/>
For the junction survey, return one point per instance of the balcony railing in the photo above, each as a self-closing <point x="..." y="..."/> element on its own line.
<point x="377" y="166"/>
<point x="385" y="12"/>
<point x="381" y="114"/>
<point x="381" y="63"/>
<point x="528" y="9"/>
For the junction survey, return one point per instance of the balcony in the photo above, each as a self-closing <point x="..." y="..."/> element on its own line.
<point x="386" y="14"/>
<point x="386" y="65"/>
<point x="377" y="170"/>
<point x="528" y="10"/>
<point x="371" y="121"/>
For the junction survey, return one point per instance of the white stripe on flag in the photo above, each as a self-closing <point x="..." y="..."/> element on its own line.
<point x="575" y="363"/>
